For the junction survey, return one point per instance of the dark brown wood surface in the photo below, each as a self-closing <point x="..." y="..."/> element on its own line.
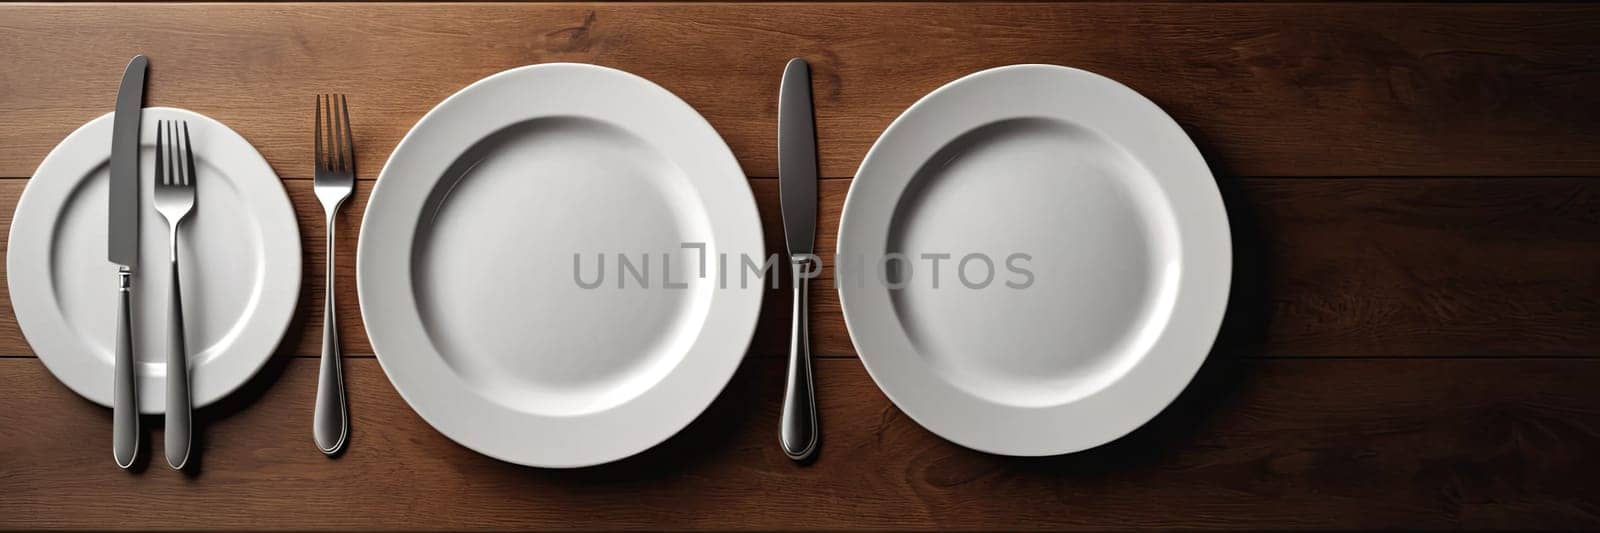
<point x="1262" y="444"/>
<point x="1266" y="89"/>
<point x="1410" y="342"/>
<point x="1337" y="267"/>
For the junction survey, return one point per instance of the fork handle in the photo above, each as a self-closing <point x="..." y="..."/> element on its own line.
<point x="179" y="404"/>
<point x="124" y="396"/>
<point x="331" y="421"/>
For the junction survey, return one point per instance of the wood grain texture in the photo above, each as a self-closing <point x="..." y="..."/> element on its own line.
<point x="1265" y="444"/>
<point x="1325" y="267"/>
<point x="1266" y="89"/>
<point x="1411" y="338"/>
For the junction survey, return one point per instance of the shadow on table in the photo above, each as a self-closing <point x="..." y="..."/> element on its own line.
<point x="715" y="434"/>
<point x="712" y="437"/>
<point x="751" y="398"/>
<point x="1225" y="371"/>
<point x="270" y="374"/>
<point x="152" y="427"/>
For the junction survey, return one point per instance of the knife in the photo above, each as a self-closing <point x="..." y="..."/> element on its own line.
<point x="797" y="194"/>
<point x="123" y="249"/>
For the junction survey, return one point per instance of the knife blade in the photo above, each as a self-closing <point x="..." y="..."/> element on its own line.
<point x="124" y="236"/>
<point x="797" y="158"/>
<point x="797" y="195"/>
<point x="123" y="249"/>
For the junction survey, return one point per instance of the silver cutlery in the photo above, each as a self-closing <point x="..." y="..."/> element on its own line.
<point x="123" y="249"/>
<point x="335" y="179"/>
<point x="174" y="196"/>
<point x="797" y="194"/>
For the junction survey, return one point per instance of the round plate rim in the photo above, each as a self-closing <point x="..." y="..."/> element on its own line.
<point x="235" y="371"/>
<point x="740" y="305"/>
<point x="1013" y="430"/>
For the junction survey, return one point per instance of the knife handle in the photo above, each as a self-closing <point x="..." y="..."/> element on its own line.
<point x="124" y="388"/>
<point x="179" y="404"/>
<point x="799" y="432"/>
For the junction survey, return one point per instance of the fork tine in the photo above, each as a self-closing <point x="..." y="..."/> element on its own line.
<point x="174" y="163"/>
<point x="318" y="134"/>
<point x="322" y="132"/>
<point x="333" y="133"/>
<point x="161" y="156"/>
<point x="188" y="155"/>
<point x="173" y="170"/>
<point x="336" y="138"/>
<point x="349" y="143"/>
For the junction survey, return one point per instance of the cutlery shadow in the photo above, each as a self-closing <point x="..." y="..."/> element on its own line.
<point x="748" y="399"/>
<point x="246" y="395"/>
<point x="141" y="462"/>
<point x="103" y="413"/>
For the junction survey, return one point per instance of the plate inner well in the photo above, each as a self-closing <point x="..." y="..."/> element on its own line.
<point x="1085" y="220"/>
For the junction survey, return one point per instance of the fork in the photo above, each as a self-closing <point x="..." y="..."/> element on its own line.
<point x="335" y="179"/>
<point x="175" y="176"/>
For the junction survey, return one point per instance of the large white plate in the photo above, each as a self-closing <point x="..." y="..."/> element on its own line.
<point x="467" y="266"/>
<point x="1127" y="268"/>
<point x="240" y="248"/>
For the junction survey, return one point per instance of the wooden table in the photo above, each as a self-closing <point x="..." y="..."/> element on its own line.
<point x="1411" y="343"/>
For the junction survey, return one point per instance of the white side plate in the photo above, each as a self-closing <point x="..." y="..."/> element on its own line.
<point x="1088" y="260"/>
<point x="240" y="248"/>
<point x="470" y="254"/>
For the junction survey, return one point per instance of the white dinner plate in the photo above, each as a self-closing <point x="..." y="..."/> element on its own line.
<point x="1088" y="260"/>
<point x="239" y="248"/>
<point x="469" y="265"/>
